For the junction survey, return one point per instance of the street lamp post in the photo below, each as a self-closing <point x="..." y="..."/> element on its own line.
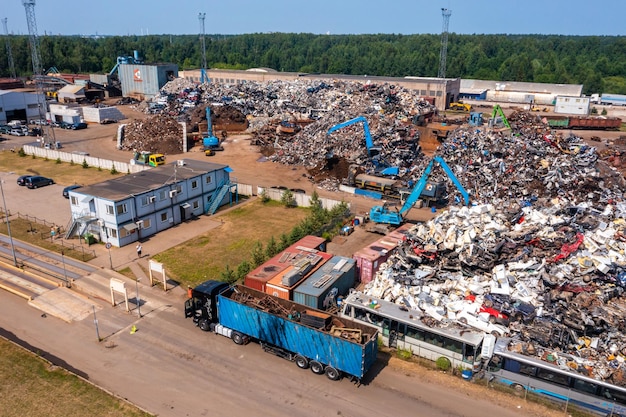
<point x="6" y="216"/>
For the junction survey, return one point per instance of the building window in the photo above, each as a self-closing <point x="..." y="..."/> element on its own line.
<point x="208" y="180"/>
<point x="109" y="209"/>
<point x="122" y="208"/>
<point x="194" y="184"/>
<point x="423" y="92"/>
<point x="146" y="224"/>
<point x="163" y="217"/>
<point x="178" y="189"/>
<point x="113" y="233"/>
<point x="195" y="204"/>
<point x="74" y="201"/>
<point x="144" y="201"/>
<point x="162" y="195"/>
<point x="124" y="233"/>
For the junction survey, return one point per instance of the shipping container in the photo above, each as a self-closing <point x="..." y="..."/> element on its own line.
<point x="278" y="286"/>
<point x="368" y="262"/>
<point x="261" y="275"/>
<point x="320" y="289"/>
<point x="298" y="333"/>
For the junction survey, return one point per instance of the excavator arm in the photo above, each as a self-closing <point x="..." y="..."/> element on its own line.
<point x="369" y="143"/>
<point x="382" y="214"/>
<point x="497" y="111"/>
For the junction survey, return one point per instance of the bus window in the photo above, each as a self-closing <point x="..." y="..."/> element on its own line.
<point x="527" y="369"/>
<point x="453" y="345"/>
<point x="495" y="364"/>
<point x="414" y="333"/>
<point x="584" y="386"/>
<point x="553" y="377"/>
<point x="469" y="353"/>
<point x="614" y="395"/>
<point x="512" y="365"/>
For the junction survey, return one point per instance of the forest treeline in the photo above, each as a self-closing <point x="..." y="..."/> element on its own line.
<point x="597" y="62"/>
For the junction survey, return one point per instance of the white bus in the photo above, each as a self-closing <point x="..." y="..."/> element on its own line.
<point x="401" y="328"/>
<point x="560" y="383"/>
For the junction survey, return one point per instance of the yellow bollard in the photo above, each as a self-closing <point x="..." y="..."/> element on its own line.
<point x="133" y="329"/>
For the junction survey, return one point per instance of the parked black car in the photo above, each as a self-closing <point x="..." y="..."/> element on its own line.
<point x="37" y="181"/>
<point x="21" y="180"/>
<point x="77" y="126"/>
<point x="66" y="190"/>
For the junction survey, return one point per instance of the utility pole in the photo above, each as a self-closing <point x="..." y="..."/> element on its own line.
<point x="9" y="52"/>
<point x="443" y="54"/>
<point x="203" y="76"/>
<point x="31" y="21"/>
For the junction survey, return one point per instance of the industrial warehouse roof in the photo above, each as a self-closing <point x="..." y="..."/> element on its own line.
<point x="522" y="87"/>
<point x="150" y="179"/>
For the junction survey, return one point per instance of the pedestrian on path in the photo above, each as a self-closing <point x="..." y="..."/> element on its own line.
<point x="139" y="250"/>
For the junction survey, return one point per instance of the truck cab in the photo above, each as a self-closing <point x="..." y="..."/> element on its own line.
<point x="202" y="305"/>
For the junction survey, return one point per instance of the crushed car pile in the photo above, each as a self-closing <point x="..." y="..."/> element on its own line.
<point x="539" y="256"/>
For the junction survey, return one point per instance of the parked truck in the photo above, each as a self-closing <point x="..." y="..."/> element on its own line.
<point x="609" y="99"/>
<point x="148" y="158"/>
<point x="311" y="338"/>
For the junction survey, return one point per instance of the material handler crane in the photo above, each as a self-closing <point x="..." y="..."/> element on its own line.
<point x="382" y="214"/>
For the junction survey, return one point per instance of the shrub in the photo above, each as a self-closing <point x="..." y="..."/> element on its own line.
<point x="85" y="164"/>
<point x="21" y="152"/>
<point x="58" y="160"/>
<point x="604" y="112"/>
<point x="404" y="354"/>
<point x="113" y="170"/>
<point x="443" y="363"/>
<point x="265" y="198"/>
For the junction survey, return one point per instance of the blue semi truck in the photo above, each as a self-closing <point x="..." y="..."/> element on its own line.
<point x="313" y="339"/>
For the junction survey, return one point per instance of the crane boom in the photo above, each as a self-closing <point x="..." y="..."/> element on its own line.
<point x="369" y="143"/>
<point x="381" y="214"/>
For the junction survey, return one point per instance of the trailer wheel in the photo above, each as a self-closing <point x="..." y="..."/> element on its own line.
<point x="302" y="362"/>
<point x="332" y="373"/>
<point x="204" y="325"/>
<point x="237" y="338"/>
<point x="316" y="367"/>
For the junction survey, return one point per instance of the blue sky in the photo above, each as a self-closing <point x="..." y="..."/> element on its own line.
<point x="140" y="17"/>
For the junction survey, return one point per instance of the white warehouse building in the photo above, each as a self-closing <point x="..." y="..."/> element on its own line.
<point x="18" y="105"/>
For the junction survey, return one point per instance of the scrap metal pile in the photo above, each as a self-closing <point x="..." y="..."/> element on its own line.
<point x="315" y="106"/>
<point x="156" y="134"/>
<point x="544" y="244"/>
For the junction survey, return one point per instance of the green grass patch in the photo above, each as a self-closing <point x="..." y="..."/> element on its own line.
<point x="206" y="256"/>
<point x="34" y="387"/>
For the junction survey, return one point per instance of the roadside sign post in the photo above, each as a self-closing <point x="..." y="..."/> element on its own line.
<point x="108" y="246"/>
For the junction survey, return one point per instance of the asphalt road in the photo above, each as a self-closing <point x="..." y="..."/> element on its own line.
<point x="170" y="368"/>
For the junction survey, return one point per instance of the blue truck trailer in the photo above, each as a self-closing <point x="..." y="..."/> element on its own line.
<point x="313" y="339"/>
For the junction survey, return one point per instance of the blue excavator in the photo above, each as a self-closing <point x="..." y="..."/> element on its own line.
<point x="382" y="214"/>
<point x="372" y="151"/>
<point x="210" y="142"/>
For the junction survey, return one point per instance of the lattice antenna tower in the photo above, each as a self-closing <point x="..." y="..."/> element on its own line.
<point x="31" y="21"/>
<point x="9" y="52"/>
<point x="201" y="17"/>
<point x="443" y="54"/>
